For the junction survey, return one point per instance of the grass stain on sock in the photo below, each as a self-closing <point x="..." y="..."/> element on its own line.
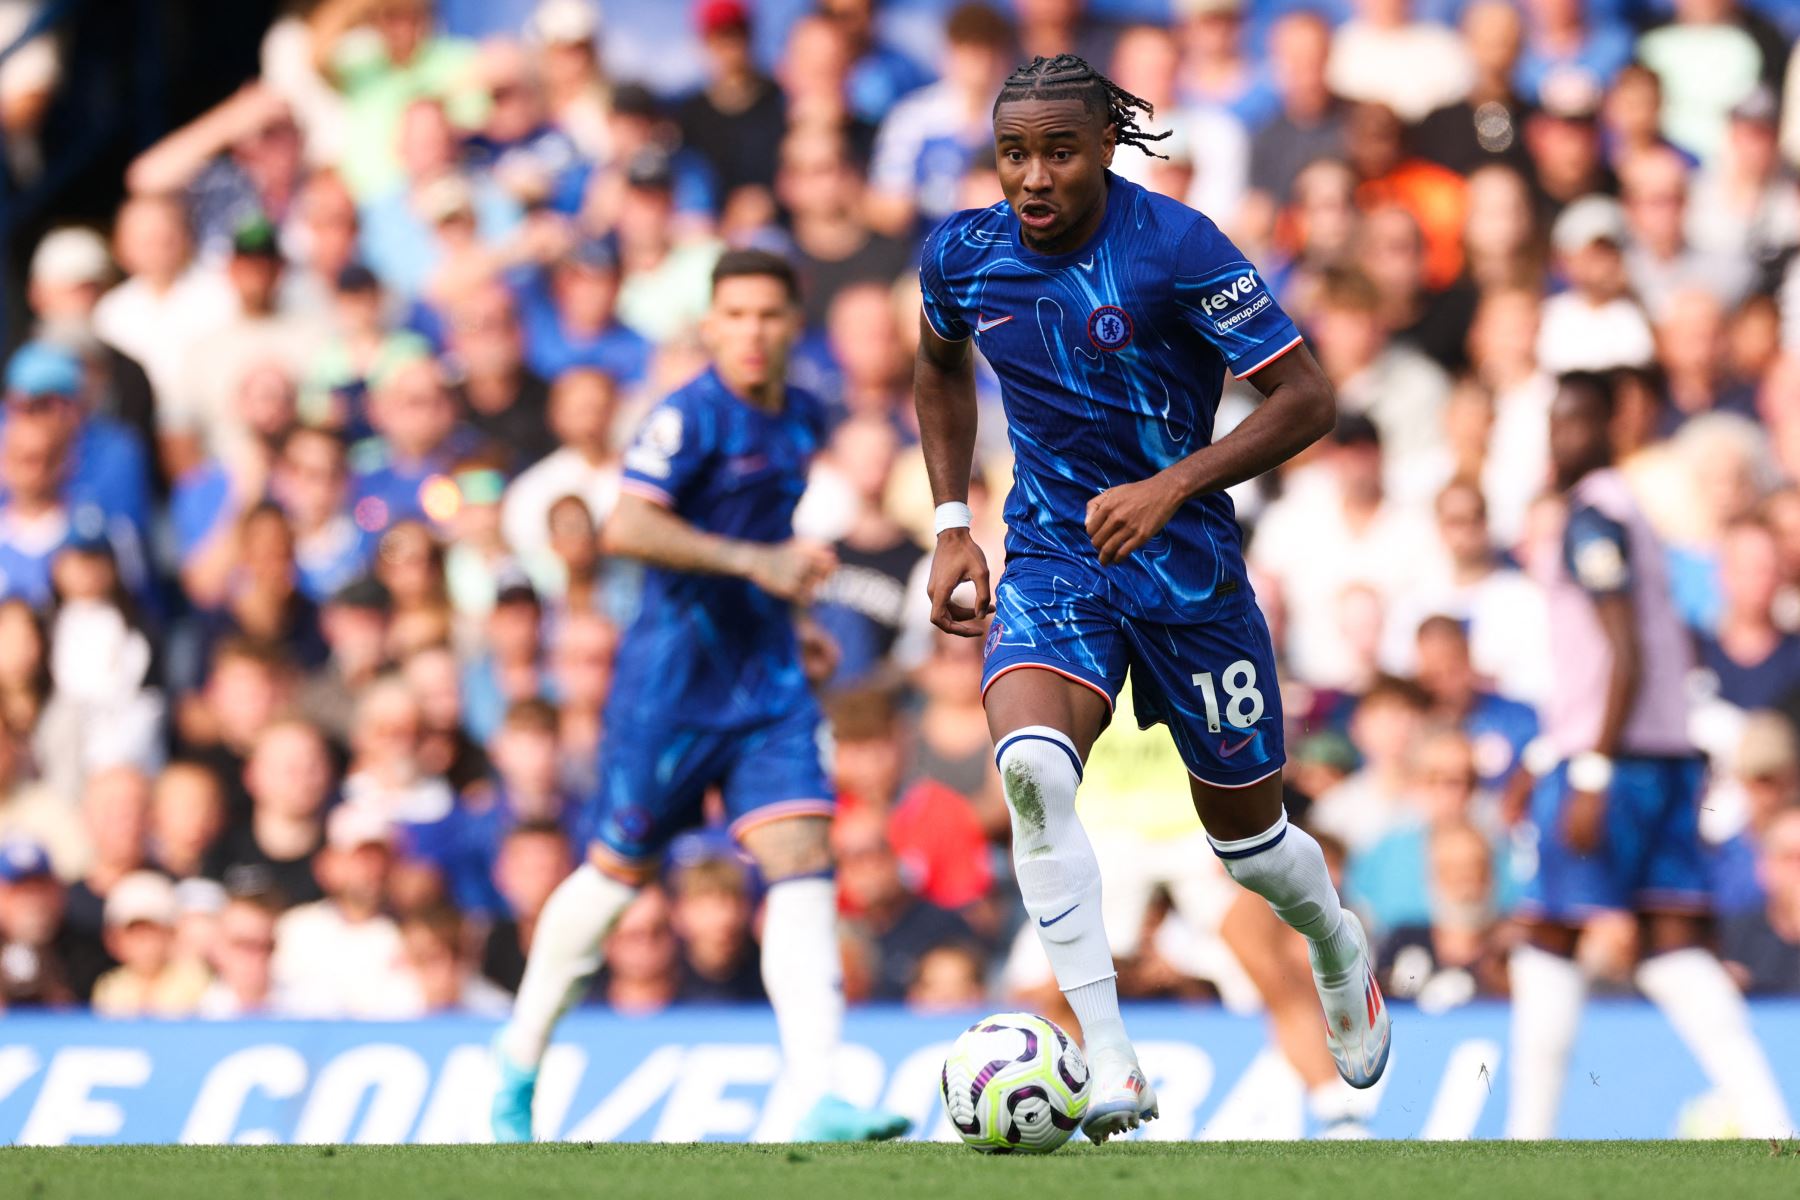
<point x="1023" y="794"/>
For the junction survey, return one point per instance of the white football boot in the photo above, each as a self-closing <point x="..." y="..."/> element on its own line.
<point x="1357" y="1029"/>
<point x="1120" y="1097"/>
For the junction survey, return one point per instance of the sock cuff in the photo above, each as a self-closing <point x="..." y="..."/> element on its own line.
<point x="1039" y="733"/>
<point x="1268" y="839"/>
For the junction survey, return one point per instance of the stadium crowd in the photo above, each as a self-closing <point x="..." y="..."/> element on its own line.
<point x="304" y="630"/>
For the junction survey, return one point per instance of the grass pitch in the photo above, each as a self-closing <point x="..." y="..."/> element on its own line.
<point x="1131" y="1170"/>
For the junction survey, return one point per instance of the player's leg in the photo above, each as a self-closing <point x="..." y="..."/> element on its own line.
<point x="1278" y="965"/>
<point x="1215" y="686"/>
<point x="1679" y="972"/>
<point x="1563" y="891"/>
<point x="779" y="798"/>
<point x="650" y="782"/>
<point x="1055" y="658"/>
<point x="1043" y="724"/>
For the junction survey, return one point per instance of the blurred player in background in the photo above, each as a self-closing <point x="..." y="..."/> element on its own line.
<point x="1616" y="809"/>
<point x="709" y="689"/>
<point x="1110" y="315"/>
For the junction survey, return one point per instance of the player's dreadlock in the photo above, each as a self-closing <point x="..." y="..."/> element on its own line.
<point x="1068" y="77"/>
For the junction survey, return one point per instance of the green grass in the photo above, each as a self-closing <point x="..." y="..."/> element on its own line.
<point x="1130" y="1171"/>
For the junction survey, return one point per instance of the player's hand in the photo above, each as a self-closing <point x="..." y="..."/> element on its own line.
<point x="959" y="560"/>
<point x="1123" y="518"/>
<point x="1584" y="821"/>
<point x="819" y="653"/>
<point x="792" y="570"/>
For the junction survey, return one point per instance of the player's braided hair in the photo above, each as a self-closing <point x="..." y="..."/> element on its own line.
<point x="1068" y="77"/>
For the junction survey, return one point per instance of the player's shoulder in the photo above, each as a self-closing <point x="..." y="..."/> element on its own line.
<point x="967" y="235"/>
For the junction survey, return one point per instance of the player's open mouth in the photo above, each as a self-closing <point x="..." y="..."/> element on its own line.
<point x="1037" y="216"/>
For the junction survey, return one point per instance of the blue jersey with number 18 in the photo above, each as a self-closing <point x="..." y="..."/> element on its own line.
<point x="1111" y="359"/>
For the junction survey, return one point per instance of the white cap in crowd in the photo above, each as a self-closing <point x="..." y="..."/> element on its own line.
<point x="142" y="896"/>
<point x="352" y="826"/>
<point x="1588" y="220"/>
<point x="69" y="256"/>
<point x="564" y="23"/>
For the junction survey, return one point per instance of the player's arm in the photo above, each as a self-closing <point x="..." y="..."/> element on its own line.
<point x="1298" y="408"/>
<point x="1597" y="550"/>
<point x="652" y="533"/>
<point x="944" y="393"/>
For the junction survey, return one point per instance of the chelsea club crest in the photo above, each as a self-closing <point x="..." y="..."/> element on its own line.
<point x="1109" y="327"/>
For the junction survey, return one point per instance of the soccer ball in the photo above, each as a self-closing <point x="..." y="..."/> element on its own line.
<point x="1015" y="1081"/>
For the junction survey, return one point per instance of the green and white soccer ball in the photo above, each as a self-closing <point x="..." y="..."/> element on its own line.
<point x="1015" y="1082"/>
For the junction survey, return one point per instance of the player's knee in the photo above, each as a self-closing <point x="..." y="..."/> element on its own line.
<point x="790" y="847"/>
<point x="1038" y="772"/>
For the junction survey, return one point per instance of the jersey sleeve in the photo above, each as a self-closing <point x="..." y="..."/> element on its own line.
<point x="1597" y="553"/>
<point x="934" y="293"/>
<point x="1227" y="301"/>
<point x="669" y="455"/>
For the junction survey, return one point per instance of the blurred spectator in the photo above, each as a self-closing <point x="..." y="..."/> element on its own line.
<point x="31" y="810"/>
<point x="1762" y="946"/>
<point x="355" y="622"/>
<point x="1310" y="123"/>
<point x="342" y="956"/>
<point x="1595" y="325"/>
<point x="1564" y="46"/>
<point x="879" y="74"/>
<point x="497" y="395"/>
<point x="1658" y="258"/>
<point x="1744" y="204"/>
<point x="310" y="480"/>
<point x="1216" y="70"/>
<point x="1391" y="877"/>
<point x="642" y="971"/>
<point x="583" y="408"/>
<point x="150" y="980"/>
<point x="1455" y="956"/>
<point x="1691" y="350"/>
<point x="380" y="75"/>
<point x="1392" y="255"/>
<point x="571" y="318"/>
<point x="165" y="304"/>
<point x="361" y="349"/>
<point x="385" y="776"/>
<point x="532" y="160"/>
<point x="1383" y="55"/>
<point x="442" y="979"/>
<point x="949" y="978"/>
<point x="1372" y="801"/>
<point x="1486" y="125"/>
<point x="1333" y="528"/>
<point x="243" y="955"/>
<point x="240" y="160"/>
<point x="822" y="190"/>
<point x="567" y="36"/>
<point x="34" y="951"/>
<point x="1388" y="173"/>
<point x="712" y="911"/>
<point x="1498" y="729"/>
<point x="509" y="667"/>
<point x="1563" y="138"/>
<point x="244" y="693"/>
<point x="398" y="475"/>
<point x="1145" y="62"/>
<point x="665" y="281"/>
<point x="534" y="857"/>
<point x="1389" y="382"/>
<point x="1502" y="241"/>
<point x="1764" y="782"/>
<point x="1707" y="60"/>
<point x="929" y="139"/>
<point x="581" y="670"/>
<point x="735" y="120"/>
<point x="187" y="815"/>
<point x="902" y="927"/>
<point x="70" y="270"/>
<point x="289" y="779"/>
<point x="1754" y="663"/>
<point x="115" y="807"/>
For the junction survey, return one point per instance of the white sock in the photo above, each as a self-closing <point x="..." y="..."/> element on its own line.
<point x="565" y="953"/>
<point x="1709" y="1013"/>
<point x="1284" y="865"/>
<point x="804" y="976"/>
<point x="1548" y="991"/>
<point x="1059" y="877"/>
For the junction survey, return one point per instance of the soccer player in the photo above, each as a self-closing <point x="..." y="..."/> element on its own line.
<point x="708" y="690"/>
<point x="1110" y="315"/>
<point x="1616" y="804"/>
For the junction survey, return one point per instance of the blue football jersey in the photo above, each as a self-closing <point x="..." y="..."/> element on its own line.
<point x="712" y="650"/>
<point x="1111" y="359"/>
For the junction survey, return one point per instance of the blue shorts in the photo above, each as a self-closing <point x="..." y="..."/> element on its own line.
<point x="653" y="777"/>
<point x="1213" y="684"/>
<point x="1650" y="860"/>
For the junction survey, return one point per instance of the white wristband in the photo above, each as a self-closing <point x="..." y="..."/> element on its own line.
<point x="952" y="514"/>
<point x="1590" y="771"/>
<point x="1539" y="756"/>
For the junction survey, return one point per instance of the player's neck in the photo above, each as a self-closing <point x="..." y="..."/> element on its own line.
<point x="769" y="395"/>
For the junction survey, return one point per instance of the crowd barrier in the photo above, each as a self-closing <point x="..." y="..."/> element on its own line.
<point x="707" y="1075"/>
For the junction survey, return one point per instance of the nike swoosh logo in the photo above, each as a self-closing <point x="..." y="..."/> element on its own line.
<point x="1086" y="266"/>
<point x="1059" y="916"/>
<point x="983" y="324"/>
<point x="1227" y="751"/>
